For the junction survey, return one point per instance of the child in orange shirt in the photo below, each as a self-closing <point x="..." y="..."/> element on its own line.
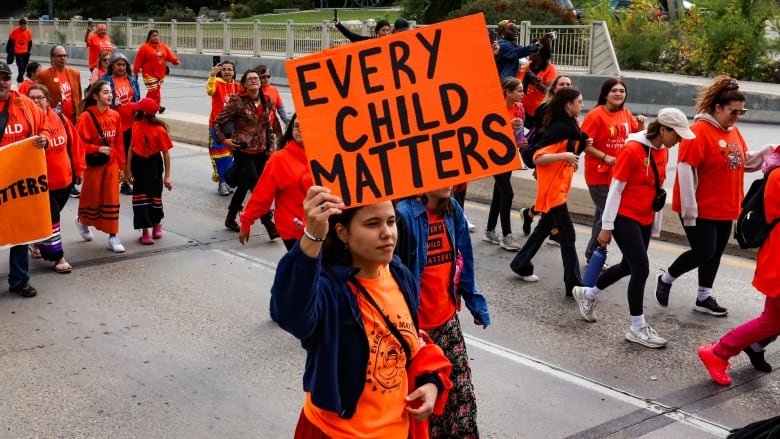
<point x="147" y="159"/>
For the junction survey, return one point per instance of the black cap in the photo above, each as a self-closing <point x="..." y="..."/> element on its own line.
<point x="401" y="24"/>
<point x="22" y="21"/>
<point x="5" y="68"/>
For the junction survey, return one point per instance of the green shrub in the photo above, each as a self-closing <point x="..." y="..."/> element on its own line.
<point x="240" y="11"/>
<point x="535" y="11"/>
<point x="185" y="14"/>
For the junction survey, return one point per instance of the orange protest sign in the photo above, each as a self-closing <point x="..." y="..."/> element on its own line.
<point x="25" y="215"/>
<point x="396" y="116"/>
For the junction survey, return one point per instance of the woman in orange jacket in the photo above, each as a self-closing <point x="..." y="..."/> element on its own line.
<point x="152" y="59"/>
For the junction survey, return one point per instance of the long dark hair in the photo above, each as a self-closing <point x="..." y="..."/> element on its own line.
<point x="149" y="34"/>
<point x="288" y="132"/>
<point x="89" y="97"/>
<point x="557" y="107"/>
<point x="606" y="87"/>
<point x="334" y="250"/>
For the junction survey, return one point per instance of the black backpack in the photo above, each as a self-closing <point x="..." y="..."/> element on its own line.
<point x="752" y="229"/>
<point x="764" y="429"/>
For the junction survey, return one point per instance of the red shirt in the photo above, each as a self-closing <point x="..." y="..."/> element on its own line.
<point x="148" y="140"/>
<point x="272" y="97"/>
<point x="436" y="306"/>
<point x="111" y="126"/>
<point x="553" y="180"/>
<point x="534" y="97"/>
<point x="25" y="119"/>
<point x="22" y="39"/>
<point x="767" y="276"/>
<point x="58" y="159"/>
<point x="608" y="131"/>
<point x="634" y="168"/>
<point x="220" y="92"/>
<point x="123" y="96"/>
<point x="95" y="45"/>
<point x="718" y="158"/>
<point x="152" y="59"/>
<point x="66" y="91"/>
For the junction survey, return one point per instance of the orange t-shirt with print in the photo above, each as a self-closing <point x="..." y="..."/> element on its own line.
<point x="436" y="306"/>
<point x="17" y="128"/>
<point x="634" y="168"/>
<point x="123" y="96"/>
<point x="96" y="44"/>
<point x="381" y="409"/>
<point x="718" y="158"/>
<point x="66" y="91"/>
<point x="553" y="180"/>
<point x="148" y="140"/>
<point x="111" y="125"/>
<point x="58" y="161"/>
<point x="534" y="97"/>
<point x="609" y="131"/>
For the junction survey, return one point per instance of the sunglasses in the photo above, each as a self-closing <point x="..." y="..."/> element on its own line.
<point x="265" y="76"/>
<point x="739" y="112"/>
<point x="5" y="78"/>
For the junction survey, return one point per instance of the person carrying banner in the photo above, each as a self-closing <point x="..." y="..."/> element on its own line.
<point x="99" y="128"/>
<point x="220" y="85"/>
<point x="65" y="168"/>
<point x="152" y="59"/>
<point x="344" y="270"/>
<point x="19" y="46"/>
<point x="27" y="120"/>
<point x="434" y="242"/>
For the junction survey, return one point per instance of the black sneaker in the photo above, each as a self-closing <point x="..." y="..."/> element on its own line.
<point x="527" y="221"/>
<point x="710" y="306"/>
<point x="24" y="290"/>
<point x="126" y="189"/>
<point x="662" y="290"/>
<point x="74" y="192"/>
<point x="757" y="359"/>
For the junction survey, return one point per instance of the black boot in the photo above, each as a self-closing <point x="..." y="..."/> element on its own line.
<point x="230" y="220"/>
<point x="757" y="360"/>
<point x="270" y="227"/>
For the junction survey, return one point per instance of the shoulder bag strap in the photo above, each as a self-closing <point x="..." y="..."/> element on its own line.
<point x="390" y="325"/>
<point x="655" y="169"/>
<point x="99" y="129"/>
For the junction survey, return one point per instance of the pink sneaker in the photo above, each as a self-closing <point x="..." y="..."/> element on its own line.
<point x="715" y="365"/>
<point x="157" y="231"/>
<point x="146" y="240"/>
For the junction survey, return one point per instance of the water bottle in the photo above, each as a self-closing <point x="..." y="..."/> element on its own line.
<point x="520" y="135"/>
<point x="597" y="260"/>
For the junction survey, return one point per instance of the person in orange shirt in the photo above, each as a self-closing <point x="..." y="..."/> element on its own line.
<point x="24" y="120"/>
<point x="556" y="161"/>
<point x="64" y="84"/>
<point x="101" y="69"/>
<point x="126" y="91"/>
<point x="65" y="168"/>
<point x="537" y="74"/>
<point x="152" y="59"/>
<point x="221" y="85"/>
<point x="19" y="46"/>
<point x="97" y="42"/>
<point x="367" y="379"/>
<point x="100" y="130"/>
<point x="709" y="188"/>
<point x="629" y="216"/>
<point x="148" y="168"/>
<point x="608" y="124"/>
<point x="766" y="280"/>
<point x="32" y="75"/>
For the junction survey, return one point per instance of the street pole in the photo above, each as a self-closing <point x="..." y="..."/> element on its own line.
<point x="676" y="9"/>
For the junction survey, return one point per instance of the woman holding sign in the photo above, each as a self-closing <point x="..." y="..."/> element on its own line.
<point x="556" y="161"/>
<point x="353" y="304"/>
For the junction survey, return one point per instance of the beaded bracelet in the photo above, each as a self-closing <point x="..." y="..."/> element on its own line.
<point x="312" y="237"/>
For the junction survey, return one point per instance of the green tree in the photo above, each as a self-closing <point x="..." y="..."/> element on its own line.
<point x="535" y="11"/>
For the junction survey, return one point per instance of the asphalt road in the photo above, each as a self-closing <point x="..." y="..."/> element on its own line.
<point x="174" y="340"/>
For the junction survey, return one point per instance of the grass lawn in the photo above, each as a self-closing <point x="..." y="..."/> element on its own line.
<point x="317" y="16"/>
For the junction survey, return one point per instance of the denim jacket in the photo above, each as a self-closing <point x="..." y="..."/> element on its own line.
<point x="412" y="249"/>
<point x="317" y="306"/>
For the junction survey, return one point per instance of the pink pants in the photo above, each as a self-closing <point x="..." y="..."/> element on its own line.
<point x="764" y="326"/>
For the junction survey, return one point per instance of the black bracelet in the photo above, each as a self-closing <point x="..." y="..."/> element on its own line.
<point x="312" y="237"/>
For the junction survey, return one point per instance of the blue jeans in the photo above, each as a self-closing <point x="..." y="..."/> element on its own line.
<point x="20" y="264"/>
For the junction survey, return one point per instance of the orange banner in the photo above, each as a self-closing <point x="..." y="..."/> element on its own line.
<point x="25" y="215"/>
<point x="396" y="116"/>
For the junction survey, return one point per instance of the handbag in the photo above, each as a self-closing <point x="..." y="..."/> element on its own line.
<point x="659" y="201"/>
<point x="97" y="158"/>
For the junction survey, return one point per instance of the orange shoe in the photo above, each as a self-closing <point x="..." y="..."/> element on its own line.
<point x="715" y="365"/>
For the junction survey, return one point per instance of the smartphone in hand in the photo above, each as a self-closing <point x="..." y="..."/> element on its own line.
<point x="492" y="36"/>
<point x="335" y="15"/>
<point x="216" y="60"/>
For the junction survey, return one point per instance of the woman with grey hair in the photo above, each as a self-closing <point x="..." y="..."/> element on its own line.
<point x="125" y="90"/>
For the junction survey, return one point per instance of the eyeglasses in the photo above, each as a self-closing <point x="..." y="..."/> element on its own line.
<point x="38" y="98"/>
<point x="265" y="76"/>
<point x="738" y="112"/>
<point x="104" y="60"/>
<point x="252" y="79"/>
<point x="63" y="55"/>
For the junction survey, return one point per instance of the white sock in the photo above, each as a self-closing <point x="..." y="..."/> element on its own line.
<point x="591" y="293"/>
<point x="637" y="322"/>
<point x="703" y="293"/>
<point x="667" y="278"/>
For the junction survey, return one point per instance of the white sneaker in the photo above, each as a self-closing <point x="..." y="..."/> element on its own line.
<point x="585" y="306"/>
<point x="115" y="245"/>
<point x="84" y="231"/>
<point x="472" y="227"/>
<point x="530" y="278"/>
<point x="646" y="336"/>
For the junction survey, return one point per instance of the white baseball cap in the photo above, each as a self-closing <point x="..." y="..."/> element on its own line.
<point x="675" y="119"/>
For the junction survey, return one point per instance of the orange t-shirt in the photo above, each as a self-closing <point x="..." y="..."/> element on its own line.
<point x="95" y="45"/>
<point x="222" y="93"/>
<point x="112" y="128"/>
<point x="381" y="409"/>
<point x="17" y="128"/>
<point x="718" y="157"/>
<point x="66" y="91"/>
<point x="608" y="131"/>
<point x="123" y="96"/>
<point x="148" y="139"/>
<point x="24" y="87"/>
<point x="273" y="97"/>
<point x="436" y="306"/>
<point x="22" y="39"/>
<point x="553" y="180"/>
<point x="767" y="276"/>
<point x="534" y="97"/>
<point x="58" y="162"/>
<point x="634" y="168"/>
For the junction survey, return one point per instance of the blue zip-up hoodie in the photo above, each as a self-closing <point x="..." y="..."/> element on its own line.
<point x="317" y="306"/>
<point x="413" y="251"/>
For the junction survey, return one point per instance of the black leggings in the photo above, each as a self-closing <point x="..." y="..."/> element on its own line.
<point x="708" y="239"/>
<point x="250" y="166"/>
<point x="632" y="239"/>
<point x="501" y="204"/>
